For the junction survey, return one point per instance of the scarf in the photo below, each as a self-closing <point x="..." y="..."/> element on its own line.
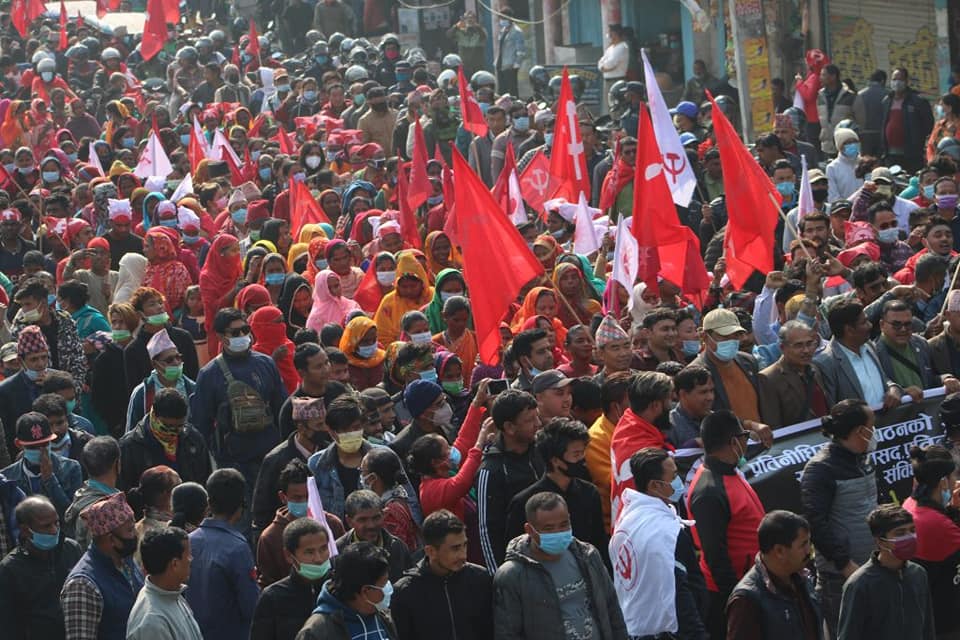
<point x="326" y="308"/>
<point x="354" y="332"/>
<point x="166" y="436"/>
<point x="434" y="310"/>
<point x="270" y="333"/>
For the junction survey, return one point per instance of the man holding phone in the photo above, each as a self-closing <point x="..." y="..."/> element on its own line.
<point x="99" y="278"/>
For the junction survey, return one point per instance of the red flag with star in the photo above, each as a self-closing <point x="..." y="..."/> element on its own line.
<point x="568" y="160"/>
<point x="473" y="120"/>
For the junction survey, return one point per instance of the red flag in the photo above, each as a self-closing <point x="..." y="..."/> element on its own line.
<point x="752" y="215"/>
<point x="286" y="145"/>
<point x="304" y="209"/>
<point x="154" y="30"/>
<point x="536" y="183"/>
<point x="24" y="12"/>
<point x="197" y="149"/>
<point x="102" y="7"/>
<point x="80" y="23"/>
<point x="484" y="232"/>
<point x="419" y="188"/>
<point x="664" y="245"/>
<point x="62" y="44"/>
<point x="473" y="120"/>
<point x="255" y="126"/>
<point x="249" y="169"/>
<point x="236" y="177"/>
<point x="253" y="47"/>
<point x="501" y="188"/>
<point x="171" y="11"/>
<point x="568" y="162"/>
<point x="369" y="294"/>
<point x="235" y="57"/>
<point x="408" y="217"/>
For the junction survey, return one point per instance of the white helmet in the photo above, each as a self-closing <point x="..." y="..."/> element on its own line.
<point x="109" y="54"/>
<point x="447" y="79"/>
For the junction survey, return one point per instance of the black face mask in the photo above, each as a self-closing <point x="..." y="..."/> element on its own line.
<point x="577" y="470"/>
<point x="819" y="195"/>
<point x="128" y="546"/>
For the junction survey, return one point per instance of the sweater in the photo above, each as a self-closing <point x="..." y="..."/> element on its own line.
<point x="159" y="614"/>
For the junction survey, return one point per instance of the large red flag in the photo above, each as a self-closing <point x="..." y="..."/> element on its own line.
<point x="253" y="46"/>
<point x="24" y="12"/>
<point x="304" y="209"/>
<point x="408" y="217"/>
<point x="473" y="120"/>
<point x="62" y="43"/>
<point x="197" y="149"/>
<point x="154" y="29"/>
<point x="752" y="215"/>
<point x="419" y="188"/>
<point x="171" y="11"/>
<point x="568" y="161"/>
<point x="665" y="246"/>
<point x="496" y="260"/>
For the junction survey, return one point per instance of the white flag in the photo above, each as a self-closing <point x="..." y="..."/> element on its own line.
<point x="198" y="132"/>
<point x="626" y="258"/>
<point x="315" y="511"/>
<point x="153" y="160"/>
<point x="678" y="171"/>
<point x="95" y="159"/>
<point x="183" y="189"/>
<point x="518" y="213"/>
<point x="221" y="144"/>
<point x="805" y="204"/>
<point x="586" y="240"/>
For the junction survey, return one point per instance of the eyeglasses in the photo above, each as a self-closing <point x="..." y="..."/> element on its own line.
<point x="174" y="359"/>
<point x="809" y="344"/>
<point x="899" y="326"/>
<point x="236" y="333"/>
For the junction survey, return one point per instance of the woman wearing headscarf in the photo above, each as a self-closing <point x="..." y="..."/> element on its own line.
<point x="440" y="252"/>
<point x="356" y="190"/>
<point x="277" y="232"/>
<point x="270" y="338"/>
<point x="273" y="272"/>
<point x="252" y="297"/>
<point x="575" y="304"/>
<point x="133" y="269"/>
<point x="328" y="305"/>
<point x="377" y="282"/>
<point x="310" y="231"/>
<point x="450" y="283"/>
<point x="340" y="262"/>
<point x="330" y="203"/>
<point x="165" y="272"/>
<point x="597" y="285"/>
<point x="546" y="249"/>
<point x="364" y="355"/>
<point x="220" y="282"/>
<point x="295" y="302"/>
<point x="457" y="337"/>
<point x="53" y="175"/>
<point x="146" y="211"/>
<point x="317" y="261"/>
<point x="98" y="212"/>
<point x="13" y="131"/>
<point x="412" y="292"/>
<point x="539" y="301"/>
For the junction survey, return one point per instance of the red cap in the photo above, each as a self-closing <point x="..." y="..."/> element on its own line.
<point x="258" y="210"/>
<point x="10" y="214"/>
<point x="99" y="243"/>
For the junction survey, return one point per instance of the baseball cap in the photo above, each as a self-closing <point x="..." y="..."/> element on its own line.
<point x="686" y="108"/>
<point x="688" y="138"/>
<point x="8" y="352"/>
<point x="33" y="429"/>
<point x="815" y="175"/>
<point x="723" y="322"/>
<point x="549" y="379"/>
<point x="881" y="174"/>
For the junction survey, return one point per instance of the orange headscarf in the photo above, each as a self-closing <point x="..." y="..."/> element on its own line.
<point x="352" y="335"/>
<point x="529" y="310"/>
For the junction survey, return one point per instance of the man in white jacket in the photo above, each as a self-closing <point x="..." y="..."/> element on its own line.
<point x="655" y="571"/>
<point x="841" y="171"/>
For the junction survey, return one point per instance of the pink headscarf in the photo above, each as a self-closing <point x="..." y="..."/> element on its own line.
<point x="326" y="308"/>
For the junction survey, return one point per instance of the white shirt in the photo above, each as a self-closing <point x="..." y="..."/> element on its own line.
<point x="614" y="61"/>
<point x="868" y="374"/>
<point x="842" y="180"/>
<point x="643" y="553"/>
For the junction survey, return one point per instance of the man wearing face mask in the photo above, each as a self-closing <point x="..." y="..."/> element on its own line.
<point x="549" y="564"/>
<point x="18" y="392"/>
<point x="662" y="592"/>
<point x="379" y="122"/>
<point x="894" y="252"/>
<point x="100" y="590"/>
<point x="232" y="90"/>
<point x="734" y="373"/>
<point x="431" y="413"/>
<point x="889" y="596"/>
<point x="515" y="135"/>
<point x="841" y="171"/>
<point x="907" y="122"/>
<point x="542" y="139"/>
<point x="727" y="512"/>
<point x="946" y="199"/>
<point x="33" y="574"/>
<point x="562" y="445"/>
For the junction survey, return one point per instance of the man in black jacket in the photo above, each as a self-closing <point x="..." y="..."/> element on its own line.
<point x="365" y="517"/>
<point x="285" y="605"/>
<point x="32" y="575"/>
<point x="444" y="577"/>
<point x="907" y="122"/>
<point x="149" y="303"/>
<point x="162" y="433"/>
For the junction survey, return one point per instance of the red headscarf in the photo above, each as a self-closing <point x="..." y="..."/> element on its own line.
<point x="217" y="279"/>
<point x="270" y="333"/>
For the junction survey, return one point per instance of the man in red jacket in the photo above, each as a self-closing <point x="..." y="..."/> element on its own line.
<point x="727" y="512"/>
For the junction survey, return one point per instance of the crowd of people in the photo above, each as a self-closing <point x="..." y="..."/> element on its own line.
<point x="247" y="398"/>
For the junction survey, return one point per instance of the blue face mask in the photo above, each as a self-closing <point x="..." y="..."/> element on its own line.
<point x="255" y="155"/>
<point x="786" y="189"/>
<point x="191" y="239"/>
<point x="678" y="487"/>
<point x="534" y="372"/>
<point x="434" y="200"/>
<point x="51" y="299"/>
<point x="309" y="96"/>
<point x="366" y="351"/>
<point x="171" y="223"/>
<point x="320" y="263"/>
<point x="691" y="347"/>
<point x="185" y="139"/>
<point x="239" y="216"/>
<point x="321" y="59"/>
<point x="455" y="457"/>
<point x="50" y="176"/>
<point x="727" y="349"/>
<point x="928" y="192"/>
<point x="851" y="149"/>
<point x="129" y="143"/>
<point x="888" y="236"/>
<point x="283" y="88"/>
<point x="297" y="509"/>
<point x="522" y="123"/>
<point x="446" y="295"/>
<point x="402" y="76"/>
<point x="555" y="543"/>
<point x="274" y="278"/>
<point x="548" y="139"/>
<point x="265" y="173"/>
<point x="300" y="176"/>
<point x="429" y="374"/>
<point x="359" y="99"/>
<point x="32" y="456"/>
<point x="25" y="170"/>
<point x="72" y="157"/>
<point x="71" y="405"/>
<point x="45" y="541"/>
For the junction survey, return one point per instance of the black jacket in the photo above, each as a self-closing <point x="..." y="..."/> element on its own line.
<point x="283" y="607"/>
<point x="139" y="451"/>
<point x="17" y="394"/>
<point x="586" y="514"/>
<point x="458" y="606"/>
<point x="136" y="360"/>
<point x="502" y="475"/>
<point x="30" y="591"/>
<point x="917" y="124"/>
<point x="108" y="388"/>
<point x="400" y="559"/>
<point x="265" y="501"/>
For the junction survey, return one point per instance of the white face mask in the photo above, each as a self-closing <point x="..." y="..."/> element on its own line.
<point x="313" y="161"/>
<point x="386" y="277"/>
<point x="443" y="415"/>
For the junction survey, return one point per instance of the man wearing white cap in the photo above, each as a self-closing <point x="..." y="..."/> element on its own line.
<point x="167" y="373"/>
<point x="122" y="241"/>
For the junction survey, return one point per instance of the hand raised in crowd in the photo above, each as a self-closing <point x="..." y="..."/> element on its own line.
<point x="776" y="280"/>
<point x="46" y="464"/>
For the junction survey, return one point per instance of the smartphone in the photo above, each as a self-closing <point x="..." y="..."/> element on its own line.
<point x="497" y="386"/>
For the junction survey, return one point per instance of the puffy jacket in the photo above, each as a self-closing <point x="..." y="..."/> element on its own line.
<point x="332" y="619"/>
<point x="842" y="109"/>
<point x="838" y="490"/>
<point x="779" y="612"/>
<point x="283" y="607"/>
<point x="459" y="605"/>
<point x="525" y="601"/>
<point x="728" y="511"/>
<point x="30" y="586"/>
<point x="502" y="475"/>
<point x="139" y="451"/>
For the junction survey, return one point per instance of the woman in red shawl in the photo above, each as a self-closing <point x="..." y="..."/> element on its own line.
<point x="220" y="281"/>
<point x="317" y="252"/>
<point x="270" y="338"/>
<point x="165" y="272"/>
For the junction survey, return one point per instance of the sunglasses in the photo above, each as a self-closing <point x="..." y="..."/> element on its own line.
<point x="174" y="359"/>
<point x="236" y="333"/>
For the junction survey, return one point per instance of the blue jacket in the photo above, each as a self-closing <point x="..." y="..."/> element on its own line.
<point x="137" y="407"/>
<point x="223" y="581"/>
<point x="66" y="479"/>
<point x="118" y="589"/>
<point x="89" y="320"/>
<point x="210" y="409"/>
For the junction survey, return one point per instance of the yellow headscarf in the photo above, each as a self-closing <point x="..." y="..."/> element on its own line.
<point x="352" y="335"/>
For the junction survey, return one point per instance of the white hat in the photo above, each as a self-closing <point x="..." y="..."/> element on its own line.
<point x="159" y="343"/>
<point x="120" y="209"/>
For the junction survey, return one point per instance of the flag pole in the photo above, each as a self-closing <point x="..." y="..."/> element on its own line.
<point x="793" y="227"/>
<point x="953" y="282"/>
